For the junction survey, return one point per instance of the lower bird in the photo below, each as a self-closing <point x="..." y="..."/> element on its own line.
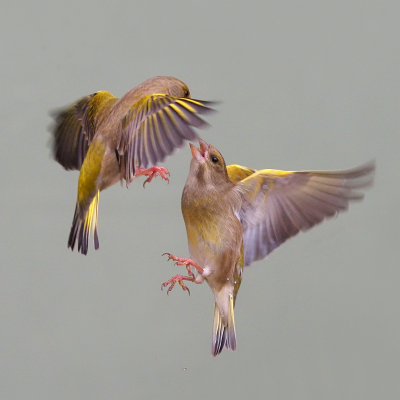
<point x="110" y="139"/>
<point x="236" y="215"/>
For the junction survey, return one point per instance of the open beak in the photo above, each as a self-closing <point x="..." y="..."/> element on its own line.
<point x="200" y="154"/>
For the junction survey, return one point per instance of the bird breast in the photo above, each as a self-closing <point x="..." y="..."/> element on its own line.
<point x="214" y="231"/>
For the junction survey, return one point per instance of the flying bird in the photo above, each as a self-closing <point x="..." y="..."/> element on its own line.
<point x="236" y="215"/>
<point x="110" y="139"/>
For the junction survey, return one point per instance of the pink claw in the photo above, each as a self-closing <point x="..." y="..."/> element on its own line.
<point x="184" y="261"/>
<point x="179" y="279"/>
<point x="152" y="173"/>
<point x="187" y="262"/>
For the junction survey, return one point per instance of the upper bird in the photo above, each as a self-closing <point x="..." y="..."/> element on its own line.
<point x="110" y="139"/>
<point x="235" y="215"/>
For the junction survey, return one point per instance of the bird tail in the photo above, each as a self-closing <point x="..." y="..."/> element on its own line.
<point x="81" y="226"/>
<point x="224" y="334"/>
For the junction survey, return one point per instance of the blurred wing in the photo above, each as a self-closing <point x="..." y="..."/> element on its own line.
<point x="237" y="173"/>
<point x="279" y="204"/>
<point x="156" y="126"/>
<point x="75" y="128"/>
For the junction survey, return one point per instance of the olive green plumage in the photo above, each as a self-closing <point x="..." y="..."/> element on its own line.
<point x="235" y="215"/>
<point x="110" y="139"/>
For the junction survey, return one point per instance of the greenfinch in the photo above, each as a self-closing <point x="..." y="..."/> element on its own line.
<point x="110" y="139"/>
<point x="236" y="215"/>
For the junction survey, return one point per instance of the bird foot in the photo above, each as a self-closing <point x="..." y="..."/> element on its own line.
<point x="179" y="279"/>
<point x="152" y="173"/>
<point x="187" y="262"/>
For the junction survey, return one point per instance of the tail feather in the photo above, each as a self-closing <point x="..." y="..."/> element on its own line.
<point x="219" y="333"/>
<point x="74" y="229"/>
<point x="81" y="227"/>
<point x="223" y="335"/>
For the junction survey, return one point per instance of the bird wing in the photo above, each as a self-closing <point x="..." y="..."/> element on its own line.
<point x="279" y="204"/>
<point x="237" y="173"/>
<point x="75" y="128"/>
<point x="155" y="126"/>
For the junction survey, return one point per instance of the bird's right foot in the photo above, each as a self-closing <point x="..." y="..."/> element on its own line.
<point x="187" y="262"/>
<point x="152" y="173"/>
<point x="179" y="279"/>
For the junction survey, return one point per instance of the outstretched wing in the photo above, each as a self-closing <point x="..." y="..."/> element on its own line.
<point x="156" y="126"/>
<point x="75" y="128"/>
<point x="279" y="204"/>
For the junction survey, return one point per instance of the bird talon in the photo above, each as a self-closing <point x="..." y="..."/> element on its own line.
<point x="179" y="279"/>
<point x="144" y="183"/>
<point x="184" y="287"/>
<point x="152" y="173"/>
<point x="168" y="254"/>
<point x="187" y="262"/>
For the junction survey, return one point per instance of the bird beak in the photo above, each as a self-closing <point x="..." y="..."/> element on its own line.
<point x="204" y="147"/>
<point x="196" y="153"/>
<point x="200" y="154"/>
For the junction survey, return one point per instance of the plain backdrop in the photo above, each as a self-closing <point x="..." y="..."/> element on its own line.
<point x="302" y="85"/>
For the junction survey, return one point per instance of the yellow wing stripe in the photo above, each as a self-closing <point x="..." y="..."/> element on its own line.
<point x="171" y="117"/>
<point x="154" y="131"/>
<point x="274" y="172"/>
<point x="198" y="103"/>
<point x="178" y="110"/>
<point x="152" y="123"/>
<point x="187" y="106"/>
<point x="157" y="130"/>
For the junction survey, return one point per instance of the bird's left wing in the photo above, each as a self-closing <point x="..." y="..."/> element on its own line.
<point x="75" y="127"/>
<point x="237" y="173"/>
<point x="156" y="126"/>
<point x="279" y="204"/>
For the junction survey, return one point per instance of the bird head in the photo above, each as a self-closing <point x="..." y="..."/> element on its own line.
<point x="207" y="166"/>
<point x="167" y="85"/>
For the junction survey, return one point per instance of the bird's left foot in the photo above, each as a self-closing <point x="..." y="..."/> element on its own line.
<point x="152" y="173"/>
<point x="187" y="262"/>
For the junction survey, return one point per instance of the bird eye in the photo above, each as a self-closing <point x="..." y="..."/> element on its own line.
<point x="214" y="159"/>
<point x="186" y="93"/>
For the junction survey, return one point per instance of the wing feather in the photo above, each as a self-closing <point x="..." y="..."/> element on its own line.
<point x="156" y="126"/>
<point x="278" y="204"/>
<point x="75" y="127"/>
<point x="151" y="140"/>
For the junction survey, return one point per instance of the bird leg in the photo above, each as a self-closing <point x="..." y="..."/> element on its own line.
<point x="152" y="173"/>
<point x="187" y="262"/>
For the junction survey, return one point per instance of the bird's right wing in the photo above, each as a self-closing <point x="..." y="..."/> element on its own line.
<point x="156" y="126"/>
<point x="75" y="128"/>
<point x="279" y="204"/>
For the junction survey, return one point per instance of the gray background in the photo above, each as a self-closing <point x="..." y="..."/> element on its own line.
<point x="303" y="85"/>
